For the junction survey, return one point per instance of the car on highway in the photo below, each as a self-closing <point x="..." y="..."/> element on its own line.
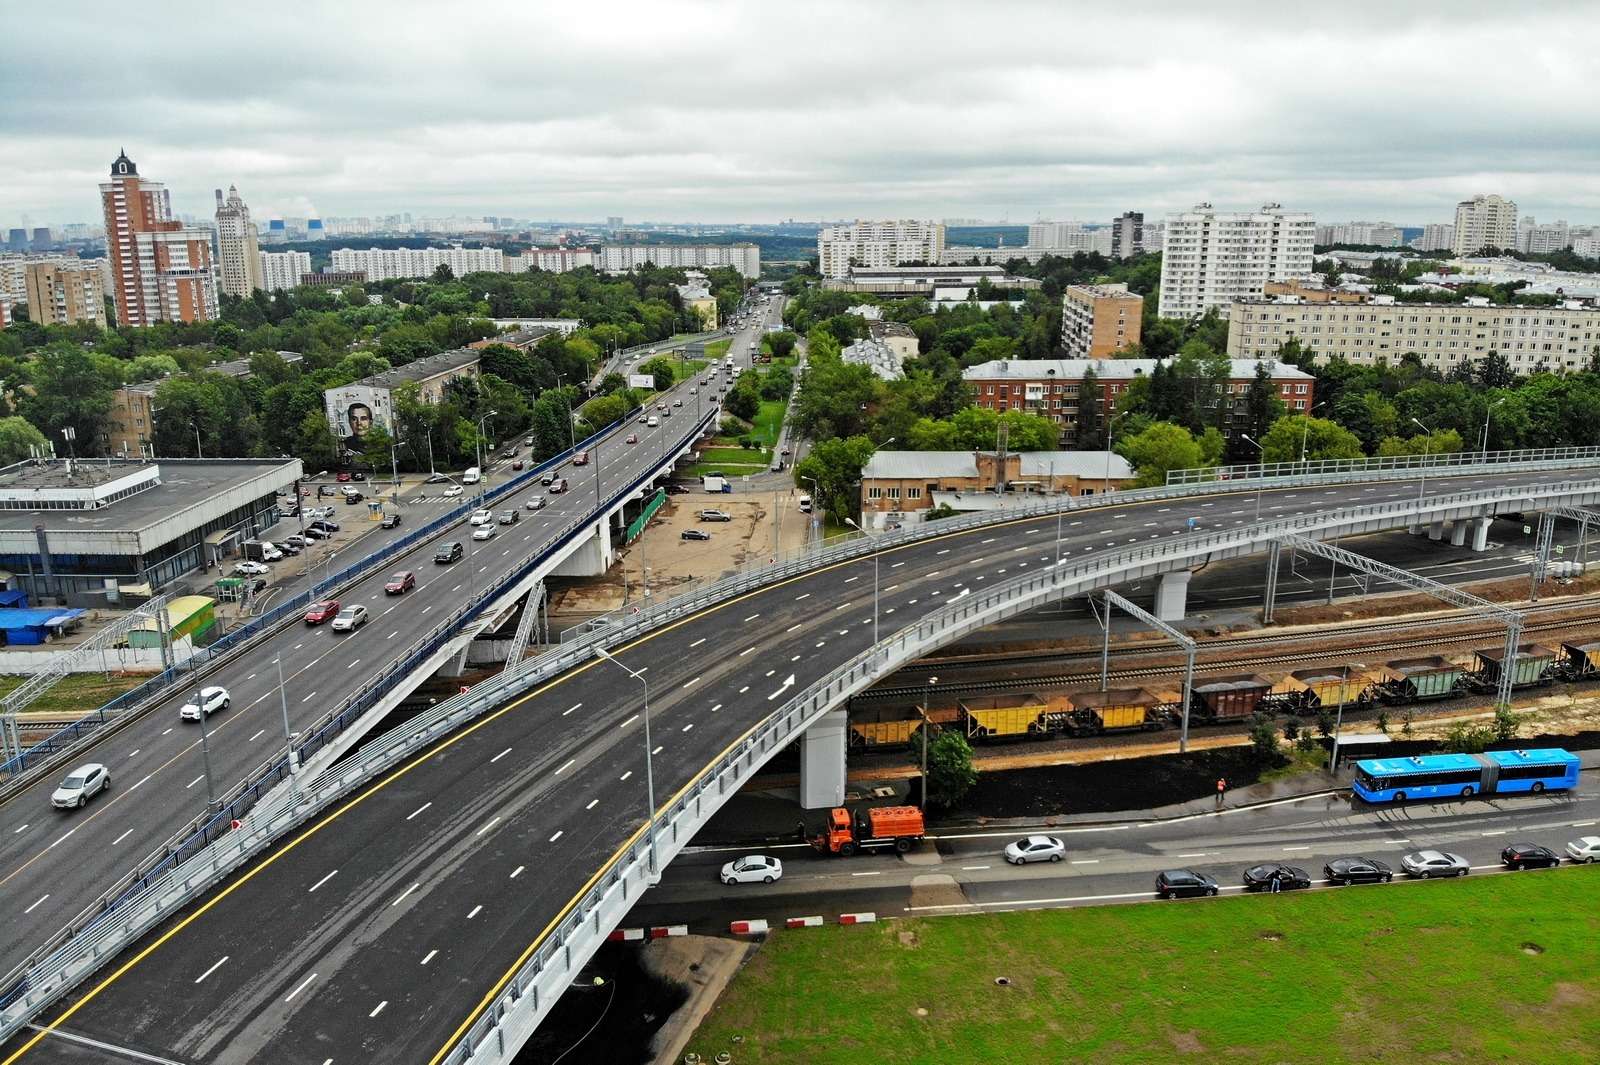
<point x="453" y="491"/>
<point x="484" y="532"/>
<point x="251" y="569"/>
<point x="436" y="478"/>
<point x="661" y="406"/>
<point x="1425" y="865"/>
<point x="667" y="413"/>
<point x="752" y="869"/>
<point x="212" y="698"/>
<point x="712" y="514"/>
<point x="653" y="421"/>
<point x="448" y="553"/>
<point x="81" y="785"/>
<point x="350" y="618"/>
<point x="694" y="534"/>
<point x="510" y="516"/>
<point x="326" y="525"/>
<point x="633" y="438"/>
<point x="558" y="486"/>
<point x="1035" y="849"/>
<point x="1357" y="871"/>
<point x="317" y="613"/>
<point x="481" y="517"/>
<point x="1184" y="883"/>
<point x="547" y="479"/>
<point x="400" y="583"/>
<point x="1529" y="856"/>
<point x="581" y="458"/>
<point x="1585" y="850"/>
<point x="643" y="418"/>
<point x="390" y="521"/>
<point x="677" y="403"/>
<point x="1286" y="877"/>
<point x="536" y="503"/>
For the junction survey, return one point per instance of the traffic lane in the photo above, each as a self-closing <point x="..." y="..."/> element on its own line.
<point x="671" y="768"/>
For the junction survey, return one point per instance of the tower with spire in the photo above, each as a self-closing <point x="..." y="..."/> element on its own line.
<point x="238" y="246"/>
<point x="160" y="269"/>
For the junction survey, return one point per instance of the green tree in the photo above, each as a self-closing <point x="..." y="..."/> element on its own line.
<point x="662" y="370"/>
<point x="782" y="343"/>
<point x="744" y="399"/>
<point x="834" y="468"/>
<point x="1323" y="439"/>
<point x="951" y="774"/>
<point x="603" y="410"/>
<point x="19" y="440"/>
<point x="1091" y="412"/>
<point x="1446" y="442"/>
<point x="551" y="424"/>
<point x="375" y="448"/>
<point x="70" y="389"/>
<point x="1159" y="448"/>
<point x="1264" y="738"/>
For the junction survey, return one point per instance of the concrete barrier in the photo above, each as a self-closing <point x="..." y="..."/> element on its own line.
<point x="803" y="922"/>
<point x="662" y="931"/>
<point x="624" y="935"/>
<point x="747" y="928"/>
<point x="857" y="918"/>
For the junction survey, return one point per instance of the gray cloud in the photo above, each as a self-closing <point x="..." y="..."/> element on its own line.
<point x="734" y="112"/>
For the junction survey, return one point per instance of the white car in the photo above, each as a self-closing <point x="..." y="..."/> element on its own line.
<point x="251" y="569"/>
<point x="453" y="491"/>
<point x="484" y="532"/>
<point x="1585" y="850"/>
<point x="81" y="785"/>
<point x="481" y="517"/>
<point x="1035" y="849"/>
<point x="350" y="619"/>
<point x="752" y="869"/>
<point x="213" y="699"/>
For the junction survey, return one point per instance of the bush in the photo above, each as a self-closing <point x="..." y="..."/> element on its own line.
<point x="1291" y="729"/>
<point x="950" y="771"/>
<point x="1306" y="742"/>
<point x="1264" y="737"/>
<point x="1468" y="739"/>
<point x="732" y="426"/>
<point x="1506" y="723"/>
<point x="748" y="443"/>
<point x="1383" y="722"/>
<point x="1325" y="723"/>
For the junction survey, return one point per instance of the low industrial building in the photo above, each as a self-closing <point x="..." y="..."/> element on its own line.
<point x="898" y="488"/>
<point x="85" y="533"/>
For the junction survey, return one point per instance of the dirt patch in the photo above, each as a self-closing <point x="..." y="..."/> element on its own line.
<point x="1186" y="1042"/>
<point x="1566" y="995"/>
<point x="1271" y="937"/>
<point x="908" y="939"/>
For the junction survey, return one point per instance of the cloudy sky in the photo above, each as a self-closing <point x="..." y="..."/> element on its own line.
<point x="683" y="111"/>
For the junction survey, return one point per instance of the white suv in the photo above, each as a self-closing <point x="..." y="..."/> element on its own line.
<point x="482" y="517"/>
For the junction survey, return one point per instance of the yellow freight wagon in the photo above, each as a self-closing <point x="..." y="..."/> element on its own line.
<point x="884" y="733"/>
<point x="1004" y="716"/>
<point x="1117" y="710"/>
<point x="1327" y="687"/>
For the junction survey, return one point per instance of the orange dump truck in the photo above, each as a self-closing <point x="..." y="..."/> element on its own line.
<point x="886" y="826"/>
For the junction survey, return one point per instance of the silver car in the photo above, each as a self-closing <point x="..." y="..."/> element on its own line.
<point x="81" y="785"/>
<point x="1426" y="865"/>
<point x="1035" y="849"/>
<point x="1585" y="849"/>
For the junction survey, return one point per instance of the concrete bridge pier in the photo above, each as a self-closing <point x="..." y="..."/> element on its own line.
<point x="1172" y="595"/>
<point x="1436" y="530"/>
<point x="1480" y="533"/>
<point x="592" y="557"/>
<point x="822" y="761"/>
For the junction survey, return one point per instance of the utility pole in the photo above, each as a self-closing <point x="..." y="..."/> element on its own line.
<point x="927" y="701"/>
<point x="288" y="737"/>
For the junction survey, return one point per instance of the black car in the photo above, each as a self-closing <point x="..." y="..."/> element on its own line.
<point x="314" y="533"/>
<point x="1529" y="856"/>
<point x="1287" y="877"/>
<point x="1184" y="883"/>
<point x="391" y="521"/>
<point x="450" y="552"/>
<point x="694" y="534"/>
<point x="1357" y="871"/>
<point x="510" y="517"/>
<point x="352" y="498"/>
<point x="358" y="476"/>
<point x="546" y="479"/>
<point x="324" y="525"/>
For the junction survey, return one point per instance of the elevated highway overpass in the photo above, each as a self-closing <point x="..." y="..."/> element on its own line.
<point x="446" y="885"/>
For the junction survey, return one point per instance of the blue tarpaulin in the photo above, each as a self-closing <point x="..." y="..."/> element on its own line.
<point x="13" y="598"/>
<point x="27" y="626"/>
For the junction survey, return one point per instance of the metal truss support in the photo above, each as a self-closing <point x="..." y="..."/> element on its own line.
<point x="1584" y="518"/>
<point x="68" y="662"/>
<point x="1113" y="599"/>
<point x="1541" y="555"/>
<point x="1270" y="600"/>
<point x="1454" y="596"/>
<point x="530" y="615"/>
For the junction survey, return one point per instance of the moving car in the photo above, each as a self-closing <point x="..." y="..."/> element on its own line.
<point x="558" y="486"/>
<point x="1585" y="849"/>
<point x="447" y="553"/>
<point x="484" y="532"/>
<point x="348" y="490"/>
<point x="633" y="438"/>
<point x="317" y="613"/>
<point x="481" y="517"/>
<point x="653" y="421"/>
<point x="1184" y="883"/>
<point x="436" y="478"/>
<point x="81" y="785"/>
<point x="213" y="698"/>
<point x="358" y="476"/>
<point x="1357" y="871"/>
<point x="1425" y="865"/>
<point x="752" y="869"/>
<point x="536" y="503"/>
<point x="251" y="569"/>
<point x="1529" y="856"/>
<point x="353" y="498"/>
<point x="518" y="465"/>
<point x="694" y="534"/>
<point x="453" y="491"/>
<point x="1035" y="849"/>
<point x="350" y="619"/>
<point x="547" y="479"/>
<point x="390" y="521"/>
<point x="677" y="403"/>
<point x="510" y="517"/>
<point x="715" y="515"/>
<point x="400" y="583"/>
<point x="1287" y="877"/>
<point x="581" y="458"/>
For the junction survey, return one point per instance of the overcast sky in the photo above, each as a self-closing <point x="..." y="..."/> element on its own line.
<point x="676" y="111"/>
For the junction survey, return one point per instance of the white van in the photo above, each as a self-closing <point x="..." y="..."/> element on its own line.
<point x="472" y="476"/>
<point x="805" y="504"/>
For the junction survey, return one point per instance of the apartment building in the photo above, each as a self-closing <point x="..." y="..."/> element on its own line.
<point x="935" y="283"/>
<point x="61" y="293"/>
<point x="743" y="257"/>
<point x="1436" y="236"/>
<point x="1536" y="239"/>
<point x="1053" y="387"/>
<point x="1070" y="238"/>
<point x="1127" y="235"/>
<point x="279" y="270"/>
<point x="1380" y="234"/>
<point x="238" y="246"/>
<point x="162" y="269"/>
<point x="354" y="409"/>
<point x="1097" y="320"/>
<point x="384" y="264"/>
<point x="1212" y="258"/>
<point x="878" y="244"/>
<point x="1443" y="334"/>
<point x="1484" y="221"/>
<point x="550" y="260"/>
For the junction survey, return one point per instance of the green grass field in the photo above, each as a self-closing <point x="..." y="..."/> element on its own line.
<point x="1502" y="968"/>
<point x="78" y="693"/>
<point x="717" y="349"/>
<point x="769" y="420"/>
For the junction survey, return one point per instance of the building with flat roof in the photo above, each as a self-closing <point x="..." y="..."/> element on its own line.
<point x="896" y="336"/>
<point x="1097" y="320"/>
<point x="130" y="425"/>
<point x="620" y="258"/>
<point x="281" y="270"/>
<point x="521" y="339"/>
<point x="355" y="408"/>
<point x="61" y="293"/>
<point x="1485" y="222"/>
<point x="385" y="264"/>
<point x="899" y="487"/>
<point x="929" y="282"/>
<point x="889" y="243"/>
<point x="74" y="532"/>
<point x="1211" y="258"/>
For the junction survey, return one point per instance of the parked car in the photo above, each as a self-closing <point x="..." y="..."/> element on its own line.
<point x="400" y="583"/>
<point x="81" y="785"/>
<point x="357" y="475"/>
<point x="1184" y="883"/>
<point x="350" y="618"/>
<point x="751" y="869"/>
<point x="289" y="545"/>
<point x="1529" y="856"/>
<point x="536" y="503"/>
<point x="297" y="541"/>
<point x="1035" y="849"/>
<point x="558" y="486"/>
<point x="391" y="520"/>
<point x="527" y="442"/>
<point x="348" y="490"/>
<point x="694" y="534"/>
<point x="212" y="699"/>
<point x="448" y="553"/>
<point x="715" y="515"/>
<point x="251" y="569"/>
<point x="344" y="475"/>
<point x="484" y="532"/>
<point x="326" y="490"/>
<point x="453" y="491"/>
<point x="325" y="524"/>
<point x="1357" y="871"/>
<point x="1585" y="849"/>
<point x="1425" y="865"/>
<point x="1287" y="877"/>
<point x="481" y="517"/>
<point x="510" y="516"/>
<point x="317" y="613"/>
<point x="314" y="533"/>
<point x="316" y="513"/>
<point x="676" y="489"/>
<point x="353" y="498"/>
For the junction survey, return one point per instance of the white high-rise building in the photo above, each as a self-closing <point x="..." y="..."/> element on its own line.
<point x="1380" y="234"/>
<point x="877" y="244"/>
<point x="283" y="269"/>
<point x="383" y="264"/>
<point x="1436" y="236"/>
<point x="620" y="258"/>
<point x="1536" y="239"/>
<point x="1068" y="238"/>
<point x="1485" y="221"/>
<point x="1212" y="258"/>
<point x="238" y="249"/>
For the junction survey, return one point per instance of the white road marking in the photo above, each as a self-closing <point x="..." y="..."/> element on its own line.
<point x="658" y="750"/>
<point x="697" y="643"/>
<point x="418" y="810"/>
<point x="1087" y="861"/>
<point x="1306" y="848"/>
<point x="805" y="595"/>
<point x="193" y="782"/>
<point x="592" y="804"/>
<point x="118" y="840"/>
<point x="211" y="970"/>
<point x="377" y="1010"/>
<point x="404" y="893"/>
<point x="257" y="736"/>
<point x="303" y="985"/>
<point x="973" y="868"/>
<point x="492" y="822"/>
<point x="319" y="883"/>
<point x="747" y="650"/>
<point x="625" y="776"/>
<point x="499" y="756"/>
<point x="752" y="617"/>
<point x="561" y="832"/>
<point x="630" y="721"/>
<point x="896" y="565"/>
<point x="564" y="767"/>
<point x="946" y="551"/>
<point x="166" y="730"/>
<point x="570" y="709"/>
<point x="857" y="577"/>
<point x="873" y="873"/>
<point x="690" y="683"/>
<point x="791" y="628"/>
<point x="744" y="689"/>
<point x="35" y="906"/>
<point x="988" y="541"/>
<point x="714" y="709"/>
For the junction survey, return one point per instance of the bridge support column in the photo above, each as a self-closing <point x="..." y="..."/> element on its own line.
<point x="592" y="557"/>
<point x="1436" y="530"/>
<point x="822" y="762"/>
<point x="1172" y="595"/>
<point x="1480" y="534"/>
<point x="1458" y="533"/>
<point x="457" y="663"/>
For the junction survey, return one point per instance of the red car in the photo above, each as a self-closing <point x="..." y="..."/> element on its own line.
<point x="343" y="476"/>
<point x="401" y="583"/>
<point x="323" y="611"/>
<point x="517" y="465"/>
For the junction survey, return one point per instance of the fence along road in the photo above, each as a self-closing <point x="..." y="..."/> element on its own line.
<point x="401" y="901"/>
<point x="57" y="863"/>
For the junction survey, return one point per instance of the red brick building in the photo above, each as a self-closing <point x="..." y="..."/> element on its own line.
<point x="161" y="269"/>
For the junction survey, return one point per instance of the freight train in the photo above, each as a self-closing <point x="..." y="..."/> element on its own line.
<point x="1218" y="700"/>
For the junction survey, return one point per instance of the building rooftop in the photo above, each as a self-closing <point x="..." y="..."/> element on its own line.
<point x="78" y="500"/>
<point x="875" y="356"/>
<point x="423" y="368"/>
<point x="1107" y="369"/>
<point x="878" y="330"/>
<point x="1035" y="465"/>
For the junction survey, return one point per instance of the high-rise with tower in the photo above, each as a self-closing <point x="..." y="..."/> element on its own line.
<point x="161" y="270"/>
<point x="238" y="250"/>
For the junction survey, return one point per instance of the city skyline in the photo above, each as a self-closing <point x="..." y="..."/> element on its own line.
<point x="1056" y="114"/>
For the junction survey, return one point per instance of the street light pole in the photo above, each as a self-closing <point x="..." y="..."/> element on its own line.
<point x="1338" y="722"/>
<point x="649" y="757"/>
<point x="288" y="737"/>
<point x="927" y="701"/>
<point x="205" y="746"/>
<point x="1261" y="477"/>
<point x="394" y="470"/>
<point x="1105" y="489"/>
<point x="1305" y="435"/>
<point x="1427" y="444"/>
<point x="1483" y="446"/>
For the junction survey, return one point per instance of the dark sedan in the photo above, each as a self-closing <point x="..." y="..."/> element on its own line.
<point x="1529" y="856"/>
<point x="448" y="553"/>
<point x="1285" y="877"/>
<point x="1357" y="871"/>
<point x="1184" y="883"/>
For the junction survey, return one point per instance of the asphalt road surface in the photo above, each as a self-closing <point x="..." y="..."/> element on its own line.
<point x="378" y="933"/>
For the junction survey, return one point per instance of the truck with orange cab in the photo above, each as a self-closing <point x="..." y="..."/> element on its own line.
<point x="885" y="826"/>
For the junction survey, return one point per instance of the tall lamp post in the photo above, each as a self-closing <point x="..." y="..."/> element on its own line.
<point x="1105" y="489"/>
<point x="1261" y="478"/>
<point x="394" y="470"/>
<point x="1483" y="445"/>
<point x="851" y="522"/>
<point x="205" y="746"/>
<point x="927" y="700"/>
<point x="1427" y="444"/>
<point x="1305" y="434"/>
<point x="649" y="758"/>
<point x="478" y="445"/>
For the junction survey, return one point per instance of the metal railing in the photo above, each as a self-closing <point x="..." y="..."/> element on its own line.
<point x="1441" y="461"/>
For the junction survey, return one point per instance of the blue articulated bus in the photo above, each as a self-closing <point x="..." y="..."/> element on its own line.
<point x="1461" y="776"/>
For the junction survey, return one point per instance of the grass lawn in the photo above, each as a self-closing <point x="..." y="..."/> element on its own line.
<point x="717" y="349"/>
<point x="734" y="456"/>
<point x="1498" y="968"/>
<point x="77" y="693"/>
<point x="769" y="419"/>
